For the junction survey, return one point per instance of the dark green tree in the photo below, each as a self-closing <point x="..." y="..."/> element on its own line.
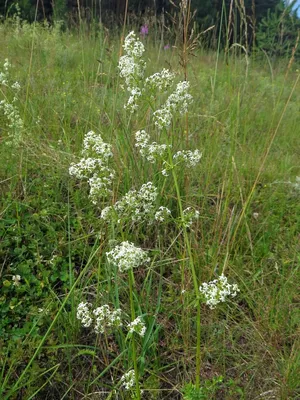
<point x="278" y="32"/>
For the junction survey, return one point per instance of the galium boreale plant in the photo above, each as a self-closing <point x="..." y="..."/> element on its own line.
<point x="140" y="205"/>
<point x="104" y="320"/>
<point x="94" y="166"/>
<point x="9" y="106"/>
<point x="127" y="257"/>
<point x="177" y="103"/>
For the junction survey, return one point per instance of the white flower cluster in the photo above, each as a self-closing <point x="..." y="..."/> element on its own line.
<point x="151" y="152"/>
<point x="160" y="80"/>
<point x="295" y="185"/>
<point x="190" y="158"/>
<point x="128" y="379"/>
<point x="4" y="75"/>
<point x="135" y="205"/>
<point x="10" y="109"/>
<point x="178" y="101"/>
<point x="137" y="326"/>
<point x="190" y="215"/>
<point x="181" y="98"/>
<point x="94" y="145"/>
<point x="93" y="166"/>
<point x="132" y="67"/>
<point x="103" y="318"/>
<point x="106" y="319"/>
<point x="132" y="103"/>
<point x="162" y="214"/>
<point x="133" y="47"/>
<point x="16" y="280"/>
<point x="162" y="118"/>
<point x="217" y="291"/>
<point x="127" y="256"/>
<point x="84" y="314"/>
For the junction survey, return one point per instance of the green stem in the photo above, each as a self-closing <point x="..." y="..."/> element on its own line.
<point x="193" y="270"/>
<point x="133" y="342"/>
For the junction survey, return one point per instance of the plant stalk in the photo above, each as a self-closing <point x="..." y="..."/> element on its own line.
<point x="133" y="342"/>
<point x="194" y="275"/>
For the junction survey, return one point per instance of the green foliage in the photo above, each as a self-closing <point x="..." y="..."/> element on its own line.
<point x="278" y="32"/>
<point x="34" y="245"/>
<point x="59" y="10"/>
<point x="207" y="391"/>
<point x="24" y="9"/>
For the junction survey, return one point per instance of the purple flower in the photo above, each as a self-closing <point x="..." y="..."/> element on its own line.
<point x="166" y="47"/>
<point x="144" y="30"/>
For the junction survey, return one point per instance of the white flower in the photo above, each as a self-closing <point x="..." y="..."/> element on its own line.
<point x="162" y="214"/>
<point x="85" y="167"/>
<point x="93" y="166"/>
<point x="84" y="314"/>
<point x="93" y="144"/>
<point x="16" y="280"/>
<point x="6" y="64"/>
<point x="106" y="213"/>
<point x="164" y="172"/>
<point x="162" y="118"/>
<point x="10" y="109"/>
<point x="133" y="46"/>
<point x="178" y="101"/>
<point x="137" y="326"/>
<point x="4" y="76"/>
<point x="132" y="68"/>
<point x="3" y="79"/>
<point x="16" y="86"/>
<point x="217" y="291"/>
<point x="128" y="379"/>
<point x="296" y="185"/>
<point x="190" y="158"/>
<point x="103" y="317"/>
<point x="190" y="215"/>
<point x="151" y="152"/>
<point x="135" y="205"/>
<point x="107" y="318"/>
<point x="126" y="256"/>
<point x="142" y="139"/>
<point x="100" y="185"/>
<point x="160" y="80"/>
<point x="135" y="94"/>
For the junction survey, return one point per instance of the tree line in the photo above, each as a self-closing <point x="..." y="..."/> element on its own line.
<point x="271" y="25"/>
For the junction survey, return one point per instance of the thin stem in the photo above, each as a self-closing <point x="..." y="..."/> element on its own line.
<point x="134" y="354"/>
<point x="194" y="275"/>
<point x="124" y="27"/>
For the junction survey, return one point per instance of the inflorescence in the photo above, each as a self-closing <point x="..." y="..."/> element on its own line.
<point x="137" y="326"/>
<point x="136" y="205"/>
<point x="217" y="291"/>
<point x="104" y="319"/>
<point x="128" y="380"/>
<point x="93" y="166"/>
<point x="127" y="256"/>
<point x="10" y="110"/>
<point x="151" y="152"/>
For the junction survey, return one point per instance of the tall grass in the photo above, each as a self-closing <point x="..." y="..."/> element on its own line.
<point x="245" y="120"/>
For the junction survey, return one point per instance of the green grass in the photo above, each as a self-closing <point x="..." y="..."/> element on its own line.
<point x="247" y="126"/>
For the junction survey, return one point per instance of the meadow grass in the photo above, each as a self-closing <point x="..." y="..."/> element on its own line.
<point x="245" y="120"/>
